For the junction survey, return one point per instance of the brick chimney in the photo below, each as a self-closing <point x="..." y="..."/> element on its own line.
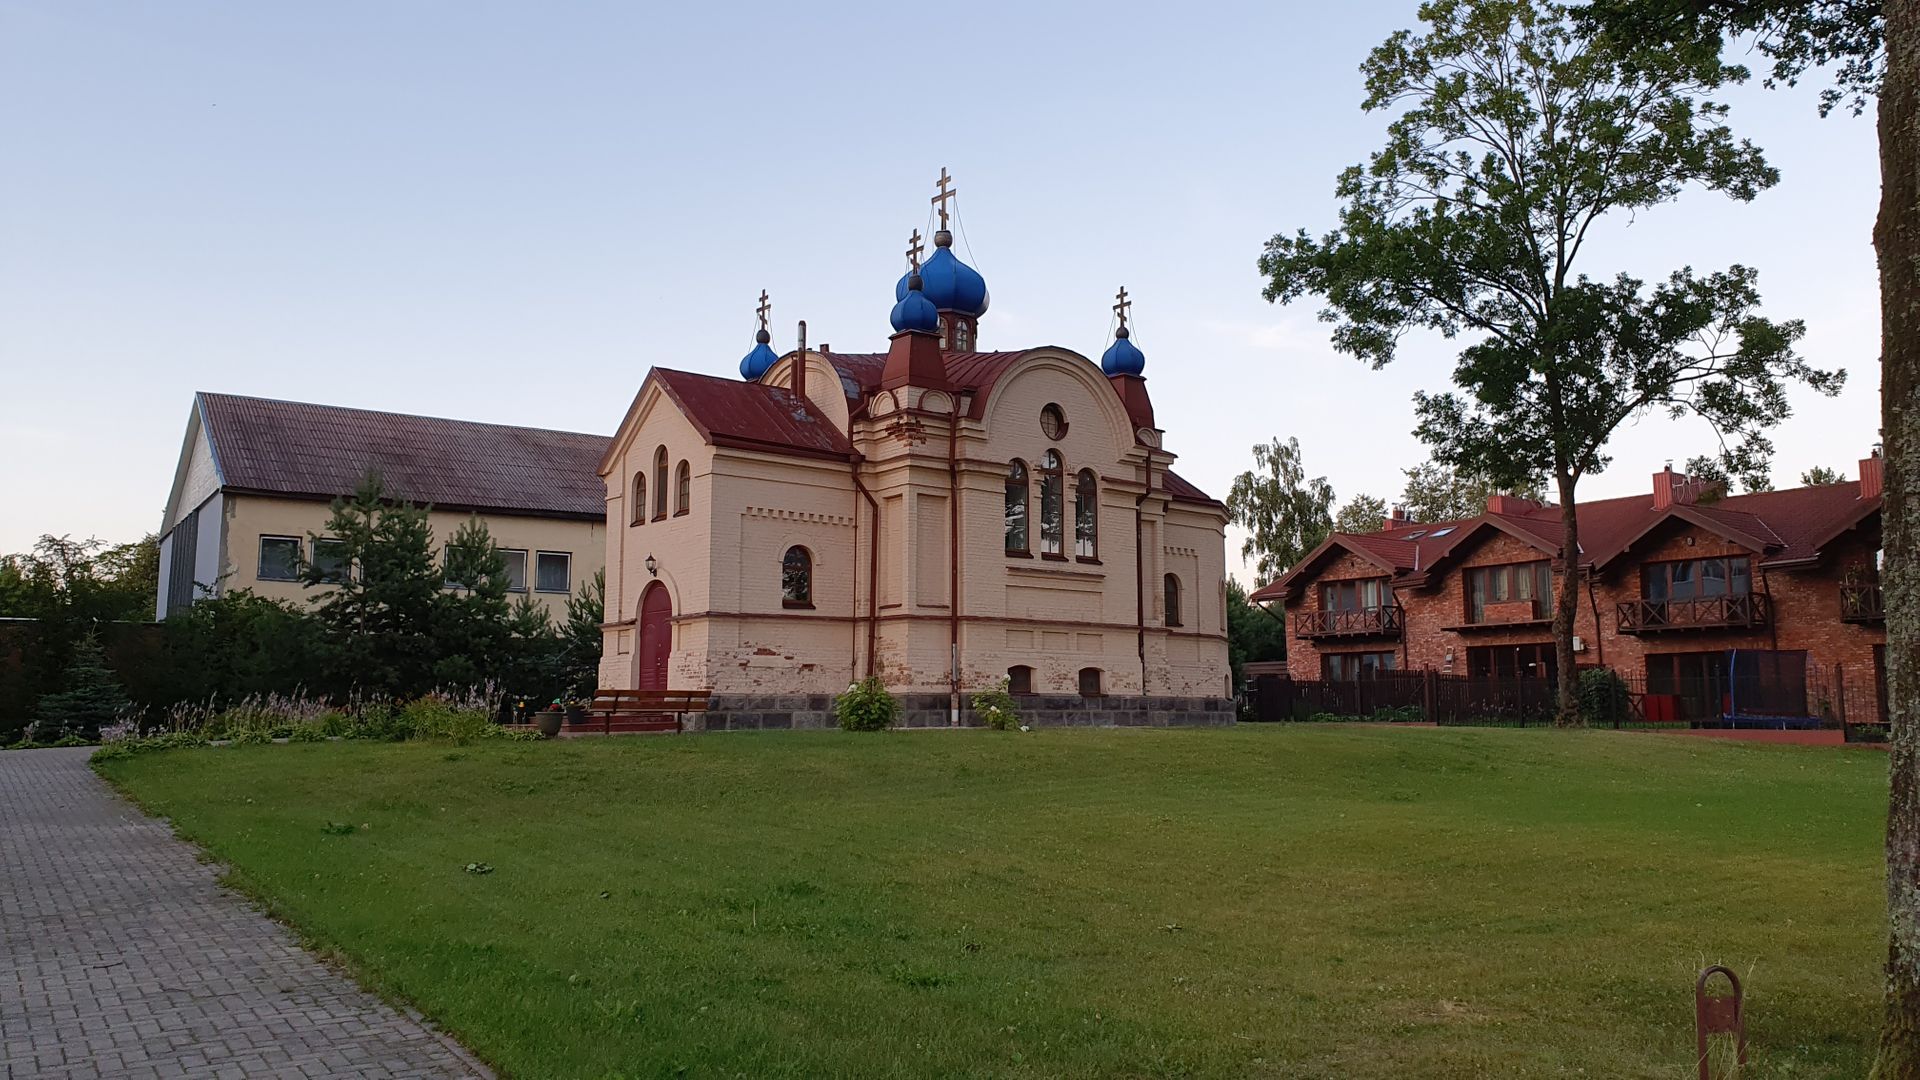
<point x="1510" y="504"/>
<point x="1397" y="519"/>
<point x="1674" y="489"/>
<point x="1873" y="475"/>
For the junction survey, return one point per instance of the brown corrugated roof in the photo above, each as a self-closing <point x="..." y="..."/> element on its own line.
<point x="302" y="450"/>
<point x="753" y="416"/>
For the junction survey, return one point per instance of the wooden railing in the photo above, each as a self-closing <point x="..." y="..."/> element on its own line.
<point x="1383" y="621"/>
<point x="1861" y="603"/>
<point x="1701" y="613"/>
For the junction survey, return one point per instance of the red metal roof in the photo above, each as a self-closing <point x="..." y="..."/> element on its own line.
<point x="1181" y="490"/>
<point x="301" y="450"/>
<point x="1781" y="527"/>
<point x="753" y="416"/>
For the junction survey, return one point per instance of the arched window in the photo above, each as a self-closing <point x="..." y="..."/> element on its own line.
<point x="683" y="490"/>
<point x="962" y="336"/>
<point x="1090" y="682"/>
<point x="1053" y="482"/>
<point x="639" y="498"/>
<point x="1173" y="600"/>
<point x="796" y="578"/>
<point x="1020" y="679"/>
<point x="1086" y="515"/>
<point x="659" y="483"/>
<point x="1017" y="508"/>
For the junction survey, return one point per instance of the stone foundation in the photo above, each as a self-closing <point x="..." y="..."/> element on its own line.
<point x="751" y="712"/>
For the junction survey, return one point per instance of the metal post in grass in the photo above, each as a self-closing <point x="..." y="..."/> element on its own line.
<point x="1723" y="1014"/>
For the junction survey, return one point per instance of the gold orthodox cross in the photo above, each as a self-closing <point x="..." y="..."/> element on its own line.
<point x="945" y="195"/>
<point x="914" y="248"/>
<point x="764" y="308"/>
<point x="1120" y="308"/>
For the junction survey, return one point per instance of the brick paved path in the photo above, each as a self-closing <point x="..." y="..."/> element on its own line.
<point x="120" y="956"/>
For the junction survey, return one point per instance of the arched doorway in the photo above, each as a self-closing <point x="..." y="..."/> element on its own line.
<point x="656" y="638"/>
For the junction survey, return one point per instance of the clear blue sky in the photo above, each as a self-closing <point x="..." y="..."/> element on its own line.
<point x="508" y="212"/>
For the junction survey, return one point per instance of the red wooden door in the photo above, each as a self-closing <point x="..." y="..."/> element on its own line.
<point x="656" y="637"/>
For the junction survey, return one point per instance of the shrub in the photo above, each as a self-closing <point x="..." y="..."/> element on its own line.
<point x="866" y="706"/>
<point x="439" y="717"/>
<point x="996" y="708"/>
<point x="1602" y="697"/>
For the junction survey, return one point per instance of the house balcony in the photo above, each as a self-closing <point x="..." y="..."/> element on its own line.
<point x="1861" y="603"/>
<point x="1741" y="611"/>
<point x="1374" y="622"/>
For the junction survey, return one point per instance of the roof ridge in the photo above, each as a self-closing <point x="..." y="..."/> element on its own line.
<point x="391" y="412"/>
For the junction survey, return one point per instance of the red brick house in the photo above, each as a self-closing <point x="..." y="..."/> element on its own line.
<point x="1678" y="586"/>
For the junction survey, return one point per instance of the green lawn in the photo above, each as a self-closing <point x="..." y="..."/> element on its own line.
<point x="1303" y="902"/>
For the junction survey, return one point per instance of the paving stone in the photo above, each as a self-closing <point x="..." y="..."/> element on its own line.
<point x="121" y="956"/>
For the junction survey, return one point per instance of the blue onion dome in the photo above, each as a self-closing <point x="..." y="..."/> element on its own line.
<point x="756" y="363"/>
<point x="951" y="284"/>
<point x="1123" y="357"/>
<point x="915" y="311"/>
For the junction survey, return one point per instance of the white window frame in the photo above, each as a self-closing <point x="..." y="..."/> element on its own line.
<point x="508" y="554"/>
<point x="260" y="563"/>
<point x="566" y="590"/>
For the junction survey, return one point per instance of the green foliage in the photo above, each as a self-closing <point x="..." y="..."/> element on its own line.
<point x="69" y="589"/>
<point x="1821" y="476"/>
<point x="996" y="708"/>
<point x="1438" y="492"/>
<point x="866" y="706"/>
<point x="1285" y="514"/>
<point x="581" y="637"/>
<point x="1716" y="472"/>
<point x="90" y="698"/>
<point x="1603" y="697"/>
<point x="470" y="634"/>
<point x="1846" y="38"/>
<point x="1361" y="514"/>
<point x="239" y="645"/>
<point x="1253" y="634"/>
<point x="379" y="618"/>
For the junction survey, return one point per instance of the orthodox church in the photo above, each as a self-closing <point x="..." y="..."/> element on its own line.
<point x="935" y="515"/>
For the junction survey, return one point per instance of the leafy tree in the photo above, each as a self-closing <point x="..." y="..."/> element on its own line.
<point x="1361" y="514"/>
<point x="90" y="697"/>
<point x="1873" y="49"/>
<point x="227" y="647"/>
<point x="1720" y="480"/>
<point x="1286" y="514"/>
<point x="470" y="633"/>
<point x="1821" y="476"/>
<point x="1436" y="492"/>
<point x="1513" y="137"/>
<point x="378" y="616"/>
<point x="68" y="589"/>
<point x="1253" y="633"/>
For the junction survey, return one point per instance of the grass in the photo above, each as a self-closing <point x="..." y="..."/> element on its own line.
<point x="1299" y="902"/>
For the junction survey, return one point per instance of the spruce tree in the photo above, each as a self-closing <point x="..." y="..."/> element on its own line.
<point x="91" y="697"/>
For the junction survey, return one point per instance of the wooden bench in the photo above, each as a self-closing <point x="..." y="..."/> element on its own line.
<point x="633" y="707"/>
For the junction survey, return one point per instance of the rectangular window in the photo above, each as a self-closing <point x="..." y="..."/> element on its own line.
<point x="553" y="572"/>
<point x="1346" y="667"/>
<point x="1363" y="594"/>
<point x="516" y="560"/>
<point x="1695" y="579"/>
<point x="279" y="558"/>
<point x="1534" y="660"/>
<point x="1511" y="584"/>
<point x="330" y="559"/>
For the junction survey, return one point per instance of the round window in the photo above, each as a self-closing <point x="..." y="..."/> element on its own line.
<point x="1053" y="423"/>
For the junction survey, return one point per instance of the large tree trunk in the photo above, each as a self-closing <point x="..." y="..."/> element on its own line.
<point x="1896" y="237"/>
<point x="1566" y="602"/>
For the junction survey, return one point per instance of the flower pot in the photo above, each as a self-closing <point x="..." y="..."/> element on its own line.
<point x="576" y="714"/>
<point x="549" y="722"/>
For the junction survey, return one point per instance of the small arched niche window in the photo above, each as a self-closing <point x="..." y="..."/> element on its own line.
<point x="1053" y="482"/>
<point x="1017" y="508"/>
<point x="796" y="578"/>
<point x="1020" y="679"/>
<point x="639" y="498"/>
<point x="683" y="489"/>
<point x="1173" y="600"/>
<point x="1086" y="515"/>
<point x="659" y="483"/>
<point x="1090" y="682"/>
